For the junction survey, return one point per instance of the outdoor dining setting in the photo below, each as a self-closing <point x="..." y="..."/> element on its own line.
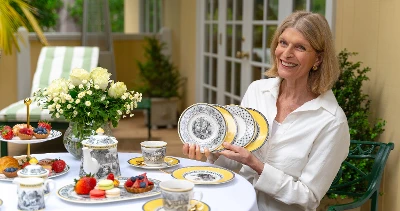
<point x="199" y="105"/>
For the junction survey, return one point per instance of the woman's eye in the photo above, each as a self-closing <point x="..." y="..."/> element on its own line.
<point x="301" y="48"/>
<point x="283" y="43"/>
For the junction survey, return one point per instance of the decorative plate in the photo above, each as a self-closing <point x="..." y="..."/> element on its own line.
<point x="204" y="125"/>
<point x="246" y="125"/>
<point x="53" y="135"/>
<point x="262" y="137"/>
<point x="52" y="175"/>
<point x="67" y="193"/>
<point x="157" y="205"/>
<point x="139" y="163"/>
<point x="204" y="175"/>
<point x="232" y="128"/>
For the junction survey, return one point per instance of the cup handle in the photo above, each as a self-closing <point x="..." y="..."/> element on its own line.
<point x="196" y="199"/>
<point x="52" y="186"/>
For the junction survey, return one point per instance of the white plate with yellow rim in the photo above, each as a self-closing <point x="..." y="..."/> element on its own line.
<point x="157" y="205"/>
<point x="232" y="128"/>
<point x="263" y="128"/>
<point x="203" y="125"/>
<point x="247" y="129"/>
<point x="139" y="163"/>
<point x="204" y="175"/>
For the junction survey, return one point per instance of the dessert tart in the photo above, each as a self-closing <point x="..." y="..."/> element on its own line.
<point x="10" y="172"/>
<point x="18" y="127"/>
<point x="138" y="184"/>
<point x="41" y="132"/>
<point x="25" y="133"/>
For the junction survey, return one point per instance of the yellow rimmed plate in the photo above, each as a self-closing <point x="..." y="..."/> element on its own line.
<point x="262" y="137"/>
<point x="204" y="175"/>
<point x="157" y="205"/>
<point x="232" y="129"/>
<point x="139" y="163"/>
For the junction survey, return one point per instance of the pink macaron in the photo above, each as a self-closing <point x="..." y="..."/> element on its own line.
<point x="97" y="194"/>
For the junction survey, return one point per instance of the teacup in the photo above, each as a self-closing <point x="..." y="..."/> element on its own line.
<point x="178" y="195"/>
<point x="153" y="152"/>
<point x="35" y="171"/>
<point x="31" y="195"/>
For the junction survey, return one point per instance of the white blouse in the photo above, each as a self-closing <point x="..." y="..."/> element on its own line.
<point x="303" y="156"/>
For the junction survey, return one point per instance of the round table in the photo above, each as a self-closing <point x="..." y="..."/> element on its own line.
<point x="238" y="194"/>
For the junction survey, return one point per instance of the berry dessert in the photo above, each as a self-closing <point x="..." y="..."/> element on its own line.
<point x="6" y="132"/>
<point x="10" y="172"/>
<point x="138" y="184"/>
<point x="41" y="132"/>
<point x="18" y="127"/>
<point x="25" y="133"/>
<point x="45" y="124"/>
<point x="85" y="184"/>
<point x="110" y="176"/>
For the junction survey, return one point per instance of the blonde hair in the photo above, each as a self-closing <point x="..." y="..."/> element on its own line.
<point x="315" y="29"/>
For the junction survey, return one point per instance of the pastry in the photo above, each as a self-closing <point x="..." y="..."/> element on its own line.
<point x="10" y="172"/>
<point x="25" y="133"/>
<point x="17" y="127"/>
<point x="97" y="194"/>
<point x="7" y="162"/>
<point x="113" y="193"/>
<point x="41" y="132"/>
<point x="105" y="184"/>
<point x="138" y="184"/>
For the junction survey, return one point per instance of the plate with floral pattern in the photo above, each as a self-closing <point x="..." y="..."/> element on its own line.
<point x="247" y="129"/>
<point x="204" y="175"/>
<point x="67" y="193"/>
<point x="139" y="163"/>
<point x="263" y="130"/>
<point x="16" y="140"/>
<point x="157" y="205"/>
<point x="203" y="125"/>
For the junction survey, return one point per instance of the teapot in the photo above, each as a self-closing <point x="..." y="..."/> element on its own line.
<point x="100" y="156"/>
<point x="31" y="193"/>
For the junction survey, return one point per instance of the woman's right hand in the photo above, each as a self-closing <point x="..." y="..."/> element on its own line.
<point x="193" y="152"/>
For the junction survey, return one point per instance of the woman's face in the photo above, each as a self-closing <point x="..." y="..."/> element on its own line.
<point x="295" y="56"/>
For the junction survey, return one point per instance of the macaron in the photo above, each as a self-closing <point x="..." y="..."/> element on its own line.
<point x="97" y="194"/>
<point x="105" y="184"/>
<point x="112" y="193"/>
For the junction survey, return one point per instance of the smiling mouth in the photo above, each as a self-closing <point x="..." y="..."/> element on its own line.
<point x="288" y="64"/>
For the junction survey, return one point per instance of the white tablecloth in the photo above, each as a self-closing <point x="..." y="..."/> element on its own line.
<point x="237" y="195"/>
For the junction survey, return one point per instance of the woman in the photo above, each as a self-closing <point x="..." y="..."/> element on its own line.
<point x="309" y="137"/>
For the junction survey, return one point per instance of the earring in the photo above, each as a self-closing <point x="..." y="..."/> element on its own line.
<point x="315" y="67"/>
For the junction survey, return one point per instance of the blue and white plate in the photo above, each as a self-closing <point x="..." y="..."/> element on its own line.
<point x="247" y="129"/>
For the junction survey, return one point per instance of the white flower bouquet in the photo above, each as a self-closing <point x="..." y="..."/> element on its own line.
<point x="88" y="98"/>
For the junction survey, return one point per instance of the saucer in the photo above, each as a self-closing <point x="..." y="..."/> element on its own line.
<point x="139" y="163"/>
<point x="157" y="205"/>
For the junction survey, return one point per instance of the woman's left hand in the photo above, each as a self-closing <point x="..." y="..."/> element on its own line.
<point x="243" y="156"/>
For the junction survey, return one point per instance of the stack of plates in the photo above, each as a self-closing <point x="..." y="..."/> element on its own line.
<point x="209" y="125"/>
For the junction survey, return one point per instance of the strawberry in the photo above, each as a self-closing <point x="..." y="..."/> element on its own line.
<point x="136" y="184"/>
<point x="129" y="183"/>
<point x="25" y="164"/>
<point x="58" y="165"/>
<point x="110" y="176"/>
<point x="45" y="124"/>
<point x="6" y="132"/>
<point x="145" y="180"/>
<point x="85" y="184"/>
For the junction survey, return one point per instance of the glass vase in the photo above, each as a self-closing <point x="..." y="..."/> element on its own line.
<point x="76" y="133"/>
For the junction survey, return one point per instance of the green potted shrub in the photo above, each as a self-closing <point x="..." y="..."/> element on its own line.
<point x="160" y="81"/>
<point x="356" y="105"/>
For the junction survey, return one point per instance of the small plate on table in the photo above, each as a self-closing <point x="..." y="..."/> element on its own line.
<point x="204" y="175"/>
<point x="67" y="193"/>
<point x="157" y="205"/>
<point x="139" y="163"/>
<point x="16" y="140"/>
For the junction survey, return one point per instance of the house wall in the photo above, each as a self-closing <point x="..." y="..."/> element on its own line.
<point x="371" y="28"/>
<point x="180" y="17"/>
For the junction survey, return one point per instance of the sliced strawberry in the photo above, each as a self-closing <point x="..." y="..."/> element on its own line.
<point x="45" y="124"/>
<point x="136" y="184"/>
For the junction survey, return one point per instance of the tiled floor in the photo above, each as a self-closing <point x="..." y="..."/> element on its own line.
<point x="129" y="133"/>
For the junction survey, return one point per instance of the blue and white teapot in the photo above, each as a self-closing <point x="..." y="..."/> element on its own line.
<point x="100" y="156"/>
